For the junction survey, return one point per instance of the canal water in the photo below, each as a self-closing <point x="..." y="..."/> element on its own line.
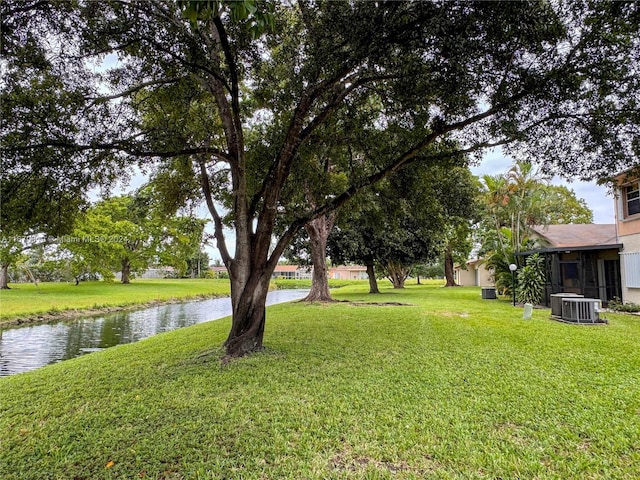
<point x="32" y="346"/>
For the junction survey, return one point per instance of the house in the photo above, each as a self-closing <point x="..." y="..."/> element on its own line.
<point x="219" y="271"/>
<point x="292" y="272"/>
<point x="348" y="272"/>
<point x="628" y="226"/>
<point x="473" y="273"/>
<point x="153" y="272"/>
<point x="157" y="272"/>
<point x="342" y="272"/>
<point x="581" y="259"/>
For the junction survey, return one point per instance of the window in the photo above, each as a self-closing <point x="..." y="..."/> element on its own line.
<point x="569" y="274"/>
<point x="632" y="198"/>
<point x="570" y="270"/>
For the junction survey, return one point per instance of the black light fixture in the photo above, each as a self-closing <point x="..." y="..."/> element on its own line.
<point x="513" y="267"/>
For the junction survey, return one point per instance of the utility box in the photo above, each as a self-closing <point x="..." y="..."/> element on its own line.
<point x="489" y="293"/>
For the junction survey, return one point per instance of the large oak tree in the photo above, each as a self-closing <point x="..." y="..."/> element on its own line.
<point x="557" y="82"/>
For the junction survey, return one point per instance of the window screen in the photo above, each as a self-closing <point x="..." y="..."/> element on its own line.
<point x="631" y="263"/>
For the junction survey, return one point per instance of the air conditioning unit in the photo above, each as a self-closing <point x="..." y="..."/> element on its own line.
<point x="556" y="302"/>
<point x="581" y="310"/>
<point x="488" y="293"/>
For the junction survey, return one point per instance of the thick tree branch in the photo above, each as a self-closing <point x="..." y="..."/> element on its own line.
<point x="279" y="170"/>
<point x="335" y="102"/>
<point x="408" y="157"/>
<point x="231" y="64"/>
<point x="122" y="147"/>
<point x="219" y="227"/>
<point x="134" y="89"/>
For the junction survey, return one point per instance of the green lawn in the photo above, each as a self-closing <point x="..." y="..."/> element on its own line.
<point x="449" y="387"/>
<point x="26" y="299"/>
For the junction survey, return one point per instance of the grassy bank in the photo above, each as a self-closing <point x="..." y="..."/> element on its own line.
<point x="27" y="300"/>
<point x="282" y="283"/>
<point x="448" y="387"/>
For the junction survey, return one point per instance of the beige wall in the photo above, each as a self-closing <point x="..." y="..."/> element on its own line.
<point x="476" y="275"/>
<point x="467" y="277"/>
<point x="626" y="226"/>
<point x="629" y="227"/>
<point x="344" y="274"/>
<point x="485" y="277"/>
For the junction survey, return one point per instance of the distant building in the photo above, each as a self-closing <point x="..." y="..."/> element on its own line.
<point x="219" y="271"/>
<point x="292" y="272"/>
<point x="474" y="273"/>
<point x="343" y="272"/>
<point x="153" y="272"/>
<point x="348" y="272"/>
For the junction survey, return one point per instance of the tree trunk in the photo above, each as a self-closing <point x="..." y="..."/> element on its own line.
<point x="373" y="282"/>
<point x="248" y="302"/>
<point x="448" y="268"/>
<point x="126" y="270"/>
<point x="397" y="280"/>
<point x="397" y="274"/>
<point x="318" y="231"/>
<point x="4" y="276"/>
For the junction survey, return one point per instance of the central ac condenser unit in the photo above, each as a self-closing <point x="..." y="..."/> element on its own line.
<point x="581" y="310"/>
<point x="556" y="302"/>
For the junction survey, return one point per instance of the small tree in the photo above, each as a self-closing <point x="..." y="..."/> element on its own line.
<point x="531" y="280"/>
<point x="401" y="222"/>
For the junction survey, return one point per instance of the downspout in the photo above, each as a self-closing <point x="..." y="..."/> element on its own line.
<point x="617" y="204"/>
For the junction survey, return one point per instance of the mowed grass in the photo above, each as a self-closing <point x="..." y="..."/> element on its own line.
<point x="26" y="299"/>
<point x="449" y="387"/>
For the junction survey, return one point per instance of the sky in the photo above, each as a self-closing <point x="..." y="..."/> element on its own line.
<point x="598" y="199"/>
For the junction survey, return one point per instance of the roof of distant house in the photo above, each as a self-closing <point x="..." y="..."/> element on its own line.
<point x="288" y="268"/>
<point x="350" y="268"/>
<point x="578" y="235"/>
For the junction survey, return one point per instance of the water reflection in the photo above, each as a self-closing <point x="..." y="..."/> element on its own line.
<point x="29" y="347"/>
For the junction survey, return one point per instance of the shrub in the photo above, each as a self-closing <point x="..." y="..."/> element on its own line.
<point x="531" y="280"/>
<point x="617" y="306"/>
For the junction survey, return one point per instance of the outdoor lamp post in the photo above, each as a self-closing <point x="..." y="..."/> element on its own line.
<point x="513" y="267"/>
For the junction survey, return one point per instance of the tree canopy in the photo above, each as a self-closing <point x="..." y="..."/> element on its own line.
<point x="130" y="233"/>
<point x="407" y="219"/>
<point x="556" y="82"/>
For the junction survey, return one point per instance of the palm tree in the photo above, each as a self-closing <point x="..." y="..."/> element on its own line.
<point x="524" y="186"/>
<point x="514" y="203"/>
